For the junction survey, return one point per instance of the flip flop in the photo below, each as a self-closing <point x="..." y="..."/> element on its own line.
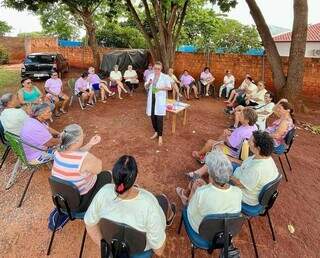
<point x="174" y="211"/>
<point x="183" y="198"/>
<point x="192" y="175"/>
<point x="195" y="154"/>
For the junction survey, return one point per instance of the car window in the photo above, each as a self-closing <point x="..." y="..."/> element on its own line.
<point x="42" y="59"/>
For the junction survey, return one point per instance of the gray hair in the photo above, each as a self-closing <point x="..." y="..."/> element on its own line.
<point x="69" y="136"/>
<point x="219" y="166"/>
<point x="5" y="99"/>
<point x="37" y="110"/>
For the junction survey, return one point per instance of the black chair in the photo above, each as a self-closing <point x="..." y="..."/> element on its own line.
<point x="202" y="89"/>
<point x="66" y="198"/>
<point x="267" y="197"/>
<point x="118" y="232"/>
<point x="289" y="139"/>
<point x="215" y="231"/>
<point x="5" y="144"/>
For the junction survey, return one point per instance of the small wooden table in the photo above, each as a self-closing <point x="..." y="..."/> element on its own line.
<point x="177" y="108"/>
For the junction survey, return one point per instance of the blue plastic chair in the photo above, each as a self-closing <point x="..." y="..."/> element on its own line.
<point x="66" y="198"/>
<point x="267" y="197"/>
<point x="285" y="150"/>
<point x="114" y="231"/>
<point x="212" y="231"/>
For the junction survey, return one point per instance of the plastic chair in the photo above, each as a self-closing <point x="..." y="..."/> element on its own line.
<point x="16" y="145"/>
<point x="289" y="139"/>
<point x="66" y="198"/>
<point x="114" y="231"/>
<point x="215" y="231"/>
<point x="5" y="145"/>
<point x="71" y="84"/>
<point x="202" y="89"/>
<point x="267" y="197"/>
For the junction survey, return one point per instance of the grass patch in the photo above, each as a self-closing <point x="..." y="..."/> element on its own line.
<point x="9" y="79"/>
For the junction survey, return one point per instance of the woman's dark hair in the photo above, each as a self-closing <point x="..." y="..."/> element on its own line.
<point x="271" y="96"/>
<point x="24" y="79"/>
<point x="185" y="71"/>
<point x="124" y="173"/>
<point x="84" y="74"/>
<point x="264" y="141"/>
<point x="287" y="106"/>
<point x="206" y="68"/>
<point x="250" y="115"/>
<point x="250" y="78"/>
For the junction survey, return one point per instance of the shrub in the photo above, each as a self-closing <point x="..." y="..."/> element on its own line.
<point x="4" y="55"/>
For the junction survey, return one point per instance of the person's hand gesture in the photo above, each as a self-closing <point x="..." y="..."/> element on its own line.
<point x="95" y="140"/>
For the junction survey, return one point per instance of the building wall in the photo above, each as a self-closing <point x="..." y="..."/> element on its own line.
<point x="15" y="47"/>
<point x="312" y="49"/>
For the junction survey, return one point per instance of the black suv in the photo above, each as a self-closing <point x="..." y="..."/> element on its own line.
<point x="41" y="65"/>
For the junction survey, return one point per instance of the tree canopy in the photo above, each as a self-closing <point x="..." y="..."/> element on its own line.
<point x="4" y="28"/>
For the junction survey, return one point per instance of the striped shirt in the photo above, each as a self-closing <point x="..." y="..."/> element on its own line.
<point x="67" y="166"/>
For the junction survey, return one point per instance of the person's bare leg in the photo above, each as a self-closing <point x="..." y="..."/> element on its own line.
<point x="160" y="141"/>
<point x="64" y="103"/>
<point x="207" y="89"/>
<point x="188" y="92"/>
<point x="122" y="87"/>
<point x="85" y="98"/>
<point x="119" y="91"/>
<point x="103" y="94"/>
<point x="230" y="99"/>
<point x="91" y="97"/>
<point x="56" y="105"/>
<point x="195" y="90"/>
<point x="202" y="171"/>
<point x="173" y="92"/>
<point x="105" y="87"/>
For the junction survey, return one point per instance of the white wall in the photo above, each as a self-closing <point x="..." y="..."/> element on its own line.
<point x="312" y="49"/>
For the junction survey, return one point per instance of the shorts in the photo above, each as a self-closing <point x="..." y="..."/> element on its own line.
<point x="80" y="93"/>
<point x="96" y="86"/>
<point x="51" y="97"/>
<point x="280" y="149"/>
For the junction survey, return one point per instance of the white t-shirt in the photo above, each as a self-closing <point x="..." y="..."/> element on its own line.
<point x="252" y="89"/>
<point x="254" y="174"/>
<point x="209" y="199"/>
<point x="260" y="96"/>
<point x="12" y="119"/>
<point x="265" y="108"/>
<point x="116" y="76"/>
<point x="142" y="213"/>
<point x="130" y="74"/>
<point x="229" y="81"/>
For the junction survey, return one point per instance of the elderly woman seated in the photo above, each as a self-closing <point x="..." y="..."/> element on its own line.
<point x="206" y="79"/>
<point x="12" y="117"/>
<point x="131" y="79"/>
<point x="73" y="162"/>
<point x="83" y="90"/>
<point x="125" y="202"/>
<point x="187" y="81"/>
<point x="228" y="84"/>
<point x="279" y="128"/>
<point x="29" y="94"/>
<point x="116" y="81"/>
<point x="175" y="83"/>
<point x="216" y="197"/>
<point x="36" y="132"/>
<point x="230" y="142"/>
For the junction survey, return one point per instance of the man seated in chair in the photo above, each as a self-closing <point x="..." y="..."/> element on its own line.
<point x="125" y="202"/>
<point x="216" y="197"/>
<point x="36" y="132"/>
<point x="230" y="142"/>
<point x="54" y="90"/>
<point x="83" y="91"/>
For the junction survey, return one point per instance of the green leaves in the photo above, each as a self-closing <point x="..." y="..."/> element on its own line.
<point x="4" y="28"/>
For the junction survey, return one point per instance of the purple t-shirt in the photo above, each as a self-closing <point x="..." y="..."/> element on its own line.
<point x="81" y="84"/>
<point x="35" y="133"/>
<point x="186" y="79"/>
<point x="93" y="78"/>
<point x="54" y="85"/>
<point x="239" y="134"/>
<point x="147" y="73"/>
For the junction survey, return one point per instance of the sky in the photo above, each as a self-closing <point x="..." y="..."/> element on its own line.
<point x="276" y="12"/>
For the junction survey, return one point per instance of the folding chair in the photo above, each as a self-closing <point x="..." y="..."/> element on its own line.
<point x="66" y="198"/>
<point x="289" y="139"/>
<point x="71" y="84"/>
<point x="113" y="231"/>
<point x="5" y="145"/>
<point x="16" y="145"/>
<point x="267" y="197"/>
<point x="215" y="231"/>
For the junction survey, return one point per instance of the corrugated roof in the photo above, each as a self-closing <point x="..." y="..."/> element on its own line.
<point x="313" y="34"/>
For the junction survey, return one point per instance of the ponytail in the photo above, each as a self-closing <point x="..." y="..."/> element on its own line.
<point x="69" y="135"/>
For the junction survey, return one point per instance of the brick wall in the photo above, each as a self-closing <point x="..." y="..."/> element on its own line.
<point x="15" y="47"/>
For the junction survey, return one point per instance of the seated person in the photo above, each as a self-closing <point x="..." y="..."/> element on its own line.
<point x="256" y="171"/>
<point x="115" y="79"/>
<point x="36" y="132"/>
<point x="257" y="97"/>
<point x="206" y="79"/>
<point x="279" y="128"/>
<point x="216" y="197"/>
<point x="147" y="73"/>
<point x="230" y="142"/>
<point x="246" y="87"/>
<point x="228" y="84"/>
<point x="175" y="84"/>
<point x="98" y="84"/>
<point x="263" y="111"/>
<point x="187" y="81"/>
<point x="29" y="94"/>
<point x="73" y="162"/>
<point x="131" y="79"/>
<point x="124" y="202"/>
<point x="54" y="89"/>
<point x="83" y="90"/>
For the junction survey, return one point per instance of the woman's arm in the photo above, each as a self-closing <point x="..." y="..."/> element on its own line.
<point x="53" y="131"/>
<point x="95" y="233"/>
<point x="160" y="250"/>
<point x="236" y="182"/>
<point x="91" y="164"/>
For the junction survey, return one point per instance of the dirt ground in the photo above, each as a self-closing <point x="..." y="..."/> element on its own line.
<point x="125" y="129"/>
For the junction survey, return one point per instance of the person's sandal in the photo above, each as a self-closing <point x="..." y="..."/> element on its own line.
<point x="192" y="175"/>
<point x="174" y="211"/>
<point x="183" y="198"/>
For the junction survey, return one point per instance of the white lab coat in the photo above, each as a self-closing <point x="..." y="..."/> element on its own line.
<point x="161" y="96"/>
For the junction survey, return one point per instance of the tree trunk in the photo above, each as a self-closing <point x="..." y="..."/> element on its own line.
<point x="294" y="85"/>
<point x="92" y="40"/>
<point x="273" y="56"/>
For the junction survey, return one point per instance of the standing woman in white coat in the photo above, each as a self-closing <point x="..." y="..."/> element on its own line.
<point x="158" y="84"/>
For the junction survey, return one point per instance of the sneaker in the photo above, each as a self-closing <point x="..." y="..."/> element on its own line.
<point x="89" y="104"/>
<point x="207" y="95"/>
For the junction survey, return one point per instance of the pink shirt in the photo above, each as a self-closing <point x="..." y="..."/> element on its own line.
<point x="54" y="85"/>
<point x="147" y="73"/>
<point x="81" y="84"/>
<point x="93" y="78"/>
<point x="186" y="79"/>
<point x="206" y="76"/>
